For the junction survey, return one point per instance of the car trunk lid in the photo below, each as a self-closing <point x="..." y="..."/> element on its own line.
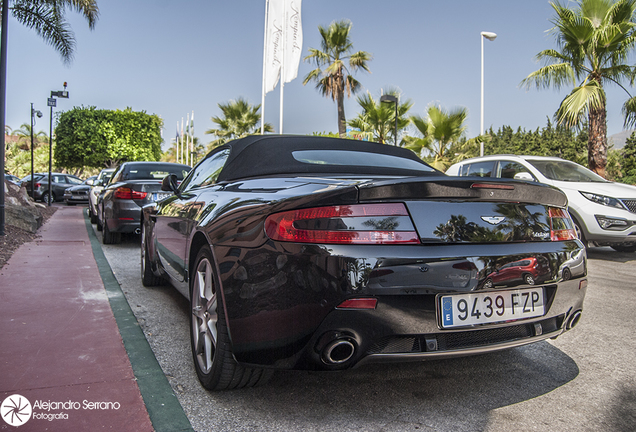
<point x="449" y="210"/>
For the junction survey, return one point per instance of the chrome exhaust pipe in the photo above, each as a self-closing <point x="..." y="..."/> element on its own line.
<point x="573" y="320"/>
<point x="137" y="230"/>
<point x="338" y="351"/>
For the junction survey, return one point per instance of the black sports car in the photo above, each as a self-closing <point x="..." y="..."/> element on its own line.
<point x="318" y="253"/>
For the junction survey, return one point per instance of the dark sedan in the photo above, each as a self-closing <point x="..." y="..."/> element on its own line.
<point x="133" y="185"/>
<point x="325" y="254"/>
<point x="79" y="194"/>
<point x="59" y="183"/>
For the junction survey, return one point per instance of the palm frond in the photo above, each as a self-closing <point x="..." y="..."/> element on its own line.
<point x="556" y="75"/>
<point x="629" y="113"/>
<point x="47" y="18"/>
<point x="48" y="22"/>
<point x="578" y="103"/>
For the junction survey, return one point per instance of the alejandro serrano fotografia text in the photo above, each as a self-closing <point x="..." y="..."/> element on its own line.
<point x="74" y="405"/>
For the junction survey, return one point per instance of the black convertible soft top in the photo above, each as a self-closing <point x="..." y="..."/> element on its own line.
<point x="260" y="156"/>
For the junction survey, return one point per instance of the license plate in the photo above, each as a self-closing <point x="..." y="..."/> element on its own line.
<point x="159" y="196"/>
<point x="460" y="310"/>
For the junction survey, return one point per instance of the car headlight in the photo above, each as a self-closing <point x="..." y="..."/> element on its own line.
<point x="603" y="200"/>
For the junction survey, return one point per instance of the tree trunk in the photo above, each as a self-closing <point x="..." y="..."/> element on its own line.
<point x="342" y="122"/>
<point x="597" y="142"/>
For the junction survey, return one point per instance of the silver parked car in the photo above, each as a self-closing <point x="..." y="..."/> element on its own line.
<point x="98" y="185"/>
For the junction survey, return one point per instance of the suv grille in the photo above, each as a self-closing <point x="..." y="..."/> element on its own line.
<point x="630" y="204"/>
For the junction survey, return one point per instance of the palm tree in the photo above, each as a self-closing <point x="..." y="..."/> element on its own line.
<point x="377" y="119"/>
<point x="335" y="79"/>
<point x="47" y="18"/>
<point x="594" y="42"/>
<point x="440" y="131"/>
<point x="240" y="119"/>
<point x="24" y="136"/>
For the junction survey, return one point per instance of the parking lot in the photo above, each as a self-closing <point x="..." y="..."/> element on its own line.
<point x="583" y="381"/>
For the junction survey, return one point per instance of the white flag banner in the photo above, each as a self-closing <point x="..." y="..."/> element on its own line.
<point x="293" y="39"/>
<point x="274" y="43"/>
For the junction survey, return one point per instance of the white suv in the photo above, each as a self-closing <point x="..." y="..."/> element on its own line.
<point x="604" y="212"/>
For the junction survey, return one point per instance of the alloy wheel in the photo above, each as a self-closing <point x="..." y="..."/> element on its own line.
<point x="204" y="315"/>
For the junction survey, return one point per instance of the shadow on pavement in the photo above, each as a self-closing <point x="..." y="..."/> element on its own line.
<point x="459" y="392"/>
<point x="609" y="254"/>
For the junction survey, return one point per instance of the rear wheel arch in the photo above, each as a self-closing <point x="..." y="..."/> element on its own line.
<point x="580" y="227"/>
<point x="199" y="240"/>
<point x="210" y="340"/>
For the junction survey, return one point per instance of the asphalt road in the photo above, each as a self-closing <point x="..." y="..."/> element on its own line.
<point x="583" y="381"/>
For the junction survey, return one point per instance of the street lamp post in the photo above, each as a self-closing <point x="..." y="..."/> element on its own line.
<point x="52" y="102"/>
<point x="4" y="19"/>
<point x="491" y="37"/>
<point x="393" y="99"/>
<point x="39" y="114"/>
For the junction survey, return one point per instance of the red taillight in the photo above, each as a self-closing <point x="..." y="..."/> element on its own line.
<point x="128" y="193"/>
<point x="37" y="185"/>
<point x="561" y="226"/>
<point x="352" y="224"/>
<point x="358" y="303"/>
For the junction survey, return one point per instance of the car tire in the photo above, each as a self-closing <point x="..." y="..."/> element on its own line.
<point x="109" y="237"/>
<point x="93" y="217"/>
<point x="148" y="278"/>
<point x="528" y="279"/>
<point x="624" y="248"/>
<point x="48" y="198"/>
<point x="211" y="349"/>
<point x="579" y="232"/>
<point x="567" y="274"/>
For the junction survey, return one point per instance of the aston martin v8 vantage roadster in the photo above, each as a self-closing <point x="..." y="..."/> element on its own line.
<point x="301" y="252"/>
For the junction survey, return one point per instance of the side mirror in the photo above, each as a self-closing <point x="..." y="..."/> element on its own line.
<point x="524" y="176"/>
<point x="90" y="182"/>
<point x="169" y="183"/>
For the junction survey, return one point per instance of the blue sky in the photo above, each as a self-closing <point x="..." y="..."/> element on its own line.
<point x="171" y="58"/>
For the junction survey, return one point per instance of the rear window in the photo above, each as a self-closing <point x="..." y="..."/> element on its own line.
<point x="358" y="158"/>
<point x="158" y="172"/>
<point x="479" y="169"/>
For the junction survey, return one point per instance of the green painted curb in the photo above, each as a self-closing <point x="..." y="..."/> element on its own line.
<point x="164" y="409"/>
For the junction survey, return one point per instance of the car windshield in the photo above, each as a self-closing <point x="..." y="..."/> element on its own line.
<point x="566" y="171"/>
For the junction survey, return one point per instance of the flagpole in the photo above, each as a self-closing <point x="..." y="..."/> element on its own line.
<point x="192" y="140"/>
<point x="176" y="151"/>
<point x="181" y="155"/>
<point x="187" y="140"/>
<point x="264" y="70"/>
<point x="282" y="66"/>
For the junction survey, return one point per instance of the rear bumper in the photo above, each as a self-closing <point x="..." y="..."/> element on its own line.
<point x="74" y="199"/>
<point x="123" y="216"/>
<point x="299" y="323"/>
